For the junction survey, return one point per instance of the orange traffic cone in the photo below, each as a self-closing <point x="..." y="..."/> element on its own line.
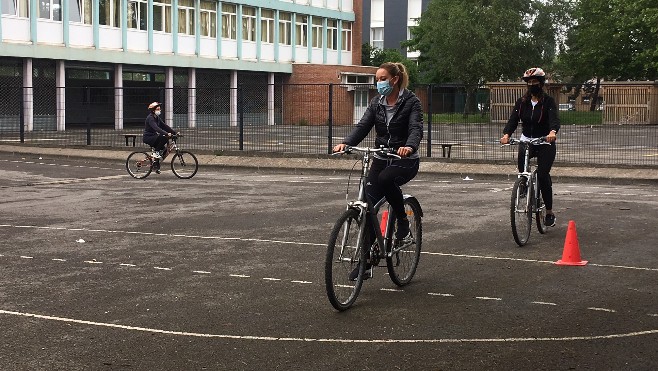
<point x="382" y="224"/>
<point x="571" y="253"/>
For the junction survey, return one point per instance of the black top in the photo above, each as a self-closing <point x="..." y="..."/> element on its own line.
<point x="536" y="121"/>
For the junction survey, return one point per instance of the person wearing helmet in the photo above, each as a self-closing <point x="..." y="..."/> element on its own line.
<point x="156" y="133"/>
<point x="538" y="115"/>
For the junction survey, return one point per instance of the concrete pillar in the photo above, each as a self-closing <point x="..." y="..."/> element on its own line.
<point x="191" y="109"/>
<point x="169" y="96"/>
<point x="118" y="96"/>
<point x="28" y="94"/>
<point x="234" y="98"/>
<point x="60" y="85"/>
<point x="270" y="99"/>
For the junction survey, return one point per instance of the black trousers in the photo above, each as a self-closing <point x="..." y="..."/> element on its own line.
<point x="160" y="143"/>
<point x="545" y="157"/>
<point x="385" y="179"/>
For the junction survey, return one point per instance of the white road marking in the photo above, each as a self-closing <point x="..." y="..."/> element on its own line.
<point x="27" y="257"/>
<point x="93" y="262"/>
<point x="330" y="340"/>
<point x="127" y="265"/>
<point x="201" y="272"/>
<point x="391" y="290"/>
<point x="487" y="298"/>
<point x="239" y="275"/>
<point x="439" y="294"/>
<point x="602" y="309"/>
<point x="162" y="268"/>
<point x="271" y="279"/>
<point x="543" y="303"/>
<point x="303" y="282"/>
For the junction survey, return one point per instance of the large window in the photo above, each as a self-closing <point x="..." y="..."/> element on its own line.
<point x="137" y="14"/>
<point x="80" y="11"/>
<point x="346" y="34"/>
<point x="377" y="37"/>
<point x="162" y="15"/>
<point x="248" y="23"/>
<point x="16" y="7"/>
<point x="110" y="10"/>
<point x="332" y="34"/>
<point x="317" y="33"/>
<point x="285" y="28"/>
<point x="267" y="26"/>
<point x="186" y="17"/>
<point x="208" y="18"/>
<point x="301" y="30"/>
<point x="229" y="21"/>
<point x="49" y="9"/>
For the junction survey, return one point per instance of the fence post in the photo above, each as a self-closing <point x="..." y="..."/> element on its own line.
<point x="21" y="117"/>
<point x="429" y="120"/>
<point x="330" y="131"/>
<point x="241" y="117"/>
<point x="88" y="119"/>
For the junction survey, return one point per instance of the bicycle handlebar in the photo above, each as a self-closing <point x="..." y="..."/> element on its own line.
<point x="535" y="141"/>
<point x="382" y="151"/>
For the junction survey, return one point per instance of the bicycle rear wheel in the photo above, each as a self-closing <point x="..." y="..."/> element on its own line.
<point x="520" y="211"/>
<point x="403" y="261"/>
<point x="540" y="208"/>
<point x="343" y="255"/>
<point x="139" y="164"/>
<point x="184" y="164"/>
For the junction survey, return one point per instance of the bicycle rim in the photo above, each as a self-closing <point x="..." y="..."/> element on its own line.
<point x="403" y="262"/>
<point x="520" y="213"/>
<point x="139" y="165"/>
<point x="184" y="164"/>
<point x="343" y="256"/>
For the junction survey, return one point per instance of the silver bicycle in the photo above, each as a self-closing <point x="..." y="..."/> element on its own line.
<point x="526" y="202"/>
<point x="350" y="247"/>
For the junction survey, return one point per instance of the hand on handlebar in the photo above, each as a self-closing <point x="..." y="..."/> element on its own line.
<point x="504" y="139"/>
<point x="405" y="151"/>
<point x="339" y="147"/>
<point x="551" y="137"/>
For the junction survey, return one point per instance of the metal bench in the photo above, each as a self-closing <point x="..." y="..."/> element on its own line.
<point x="131" y="136"/>
<point x="447" y="148"/>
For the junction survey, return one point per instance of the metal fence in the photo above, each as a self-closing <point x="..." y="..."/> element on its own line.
<point x="307" y="119"/>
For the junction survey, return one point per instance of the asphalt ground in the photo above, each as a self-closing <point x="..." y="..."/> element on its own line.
<point x="225" y="271"/>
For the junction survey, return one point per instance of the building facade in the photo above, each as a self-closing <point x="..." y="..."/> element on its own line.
<point x="113" y="54"/>
<point x="387" y="23"/>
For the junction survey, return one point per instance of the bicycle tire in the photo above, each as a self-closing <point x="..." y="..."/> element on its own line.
<point x="521" y="221"/>
<point x="540" y="208"/>
<point x="403" y="263"/>
<point x="184" y="164"/>
<point x="139" y="164"/>
<point x="342" y="292"/>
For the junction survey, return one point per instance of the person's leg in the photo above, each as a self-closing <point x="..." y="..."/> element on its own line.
<point x="545" y="158"/>
<point x="390" y="179"/>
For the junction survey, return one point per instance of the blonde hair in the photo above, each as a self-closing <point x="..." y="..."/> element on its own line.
<point x="397" y="69"/>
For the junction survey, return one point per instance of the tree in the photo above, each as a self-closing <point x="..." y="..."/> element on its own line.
<point x="475" y="41"/>
<point x="376" y="57"/>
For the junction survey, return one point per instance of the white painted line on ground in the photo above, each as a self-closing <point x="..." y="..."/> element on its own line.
<point x="330" y="340"/>
<point x="487" y="298"/>
<point x="303" y="282"/>
<point x="162" y="268"/>
<point x="201" y="272"/>
<point x="391" y="290"/>
<point x="653" y="315"/>
<point x="58" y="260"/>
<point x="27" y="257"/>
<point x="239" y="275"/>
<point x="345" y="286"/>
<point x="93" y="262"/>
<point x="271" y="279"/>
<point x="543" y="303"/>
<point x="439" y="294"/>
<point x="127" y="265"/>
<point x="602" y="309"/>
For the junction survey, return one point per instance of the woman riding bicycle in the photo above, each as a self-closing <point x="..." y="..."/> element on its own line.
<point x="397" y="116"/>
<point x="156" y="133"/>
<point x="538" y="114"/>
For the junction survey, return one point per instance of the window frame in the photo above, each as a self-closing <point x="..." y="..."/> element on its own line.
<point x="285" y="28"/>
<point x="229" y="22"/>
<point x="189" y="28"/>
<point x="267" y="26"/>
<point x="211" y="20"/>
<point x="141" y="6"/>
<point x="317" y="35"/>
<point x="248" y="24"/>
<point x="346" y="33"/>
<point x="301" y="30"/>
<point x="164" y="4"/>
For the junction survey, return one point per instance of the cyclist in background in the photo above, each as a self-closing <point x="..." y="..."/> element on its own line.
<point x="156" y="133"/>
<point x="397" y="116"/>
<point x="538" y="114"/>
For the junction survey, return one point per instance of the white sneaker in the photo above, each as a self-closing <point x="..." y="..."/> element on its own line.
<point x="156" y="155"/>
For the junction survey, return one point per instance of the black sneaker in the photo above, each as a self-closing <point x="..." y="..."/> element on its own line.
<point x="366" y="274"/>
<point x="550" y="220"/>
<point x="403" y="229"/>
<point x="156" y="166"/>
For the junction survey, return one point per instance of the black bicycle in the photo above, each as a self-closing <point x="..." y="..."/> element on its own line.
<point x="526" y="202"/>
<point x="184" y="164"/>
<point x="350" y="247"/>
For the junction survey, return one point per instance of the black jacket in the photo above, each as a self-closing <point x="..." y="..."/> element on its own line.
<point x="154" y="127"/>
<point x="404" y="130"/>
<point x="537" y="122"/>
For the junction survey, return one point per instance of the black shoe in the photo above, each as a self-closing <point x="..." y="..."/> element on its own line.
<point x="403" y="229"/>
<point x="366" y="274"/>
<point x="156" y="166"/>
<point x="523" y="191"/>
<point x="550" y="220"/>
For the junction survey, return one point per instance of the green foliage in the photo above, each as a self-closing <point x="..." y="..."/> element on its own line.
<point x="376" y="57"/>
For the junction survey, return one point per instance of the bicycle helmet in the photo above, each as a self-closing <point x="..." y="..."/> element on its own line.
<point x="154" y="105"/>
<point x="535" y="73"/>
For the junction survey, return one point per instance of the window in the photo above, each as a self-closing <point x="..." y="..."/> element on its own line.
<point x="347" y="37"/>
<point x="301" y="29"/>
<point x="267" y="26"/>
<point x="285" y="28"/>
<point x="248" y="23"/>
<point x="80" y="11"/>
<point x="110" y="10"/>
<point x="208" y="18"/>
<point x="332" y="34"/>
<point x="186" y="17"/>
<point x="16" y="7"/>
<point x="137" y="14"/>
<point x="377" y="37"/>
<point x="359" y="79"/>
<point x="317" y="33"/>
<point x="229" y="21"/>
<point x="162" y="15"/>
<point x="50" y="9"/>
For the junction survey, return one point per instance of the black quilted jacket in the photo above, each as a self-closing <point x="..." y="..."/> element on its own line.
<point x="404" y="130"/>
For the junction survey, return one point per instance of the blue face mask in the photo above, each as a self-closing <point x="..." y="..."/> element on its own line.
<point x="384" y="88"/>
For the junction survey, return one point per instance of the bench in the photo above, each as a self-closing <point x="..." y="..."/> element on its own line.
<point x="131" y="136"/>
<point x="447" y="148"/>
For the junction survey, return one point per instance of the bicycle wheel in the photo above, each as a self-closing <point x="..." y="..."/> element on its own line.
<point x="139" y="164"/>
<point x="520" y="211"/>
<point x="403" y="261"/>
<point x="343" y="255"/>
<point x="184" y="164"/>
<point x="540" y="208"/>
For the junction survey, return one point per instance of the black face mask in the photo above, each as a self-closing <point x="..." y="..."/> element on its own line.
<point x="535" y="89"/>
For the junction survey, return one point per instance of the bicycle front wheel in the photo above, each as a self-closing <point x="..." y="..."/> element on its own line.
<point x="403" y="260"/>
<point x="184" y="164"/>
<point x="139" y="164"/>
<point x="344" y="253"/>
<point x="520" y="211"/>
